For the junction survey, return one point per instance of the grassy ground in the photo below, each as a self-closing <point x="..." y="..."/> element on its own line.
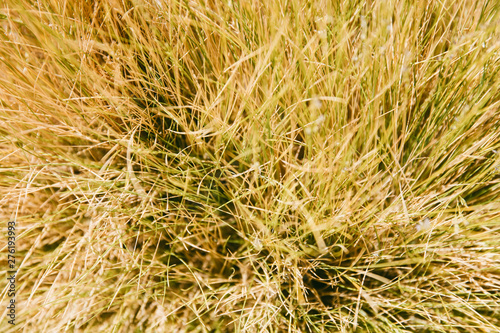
<point x="251" y="166"/>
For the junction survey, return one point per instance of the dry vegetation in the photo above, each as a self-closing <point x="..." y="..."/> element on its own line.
<point x="251" y="166"/>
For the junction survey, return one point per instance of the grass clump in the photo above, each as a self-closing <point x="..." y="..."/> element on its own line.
<point x="252" y="166"/>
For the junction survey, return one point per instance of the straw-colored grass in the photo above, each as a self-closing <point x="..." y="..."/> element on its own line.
<point x="251" y="166"/>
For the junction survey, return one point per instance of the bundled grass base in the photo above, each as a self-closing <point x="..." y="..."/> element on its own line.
<point x="252" y="166"/>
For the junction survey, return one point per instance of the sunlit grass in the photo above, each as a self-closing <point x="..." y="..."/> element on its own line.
<point x="252" y="166"/>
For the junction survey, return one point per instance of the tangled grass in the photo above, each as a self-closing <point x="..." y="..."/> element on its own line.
<point x="251" y="166"/>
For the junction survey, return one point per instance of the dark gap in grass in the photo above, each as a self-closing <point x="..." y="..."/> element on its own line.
<point x="322" y="285"/>
<point x="52" y="246"/>
<point x="101" y="317"/>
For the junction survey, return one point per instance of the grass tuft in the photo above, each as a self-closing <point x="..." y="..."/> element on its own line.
<point x="251" y="166"/>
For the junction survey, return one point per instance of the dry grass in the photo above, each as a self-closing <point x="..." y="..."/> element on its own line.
<point x="252" y="166"/>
